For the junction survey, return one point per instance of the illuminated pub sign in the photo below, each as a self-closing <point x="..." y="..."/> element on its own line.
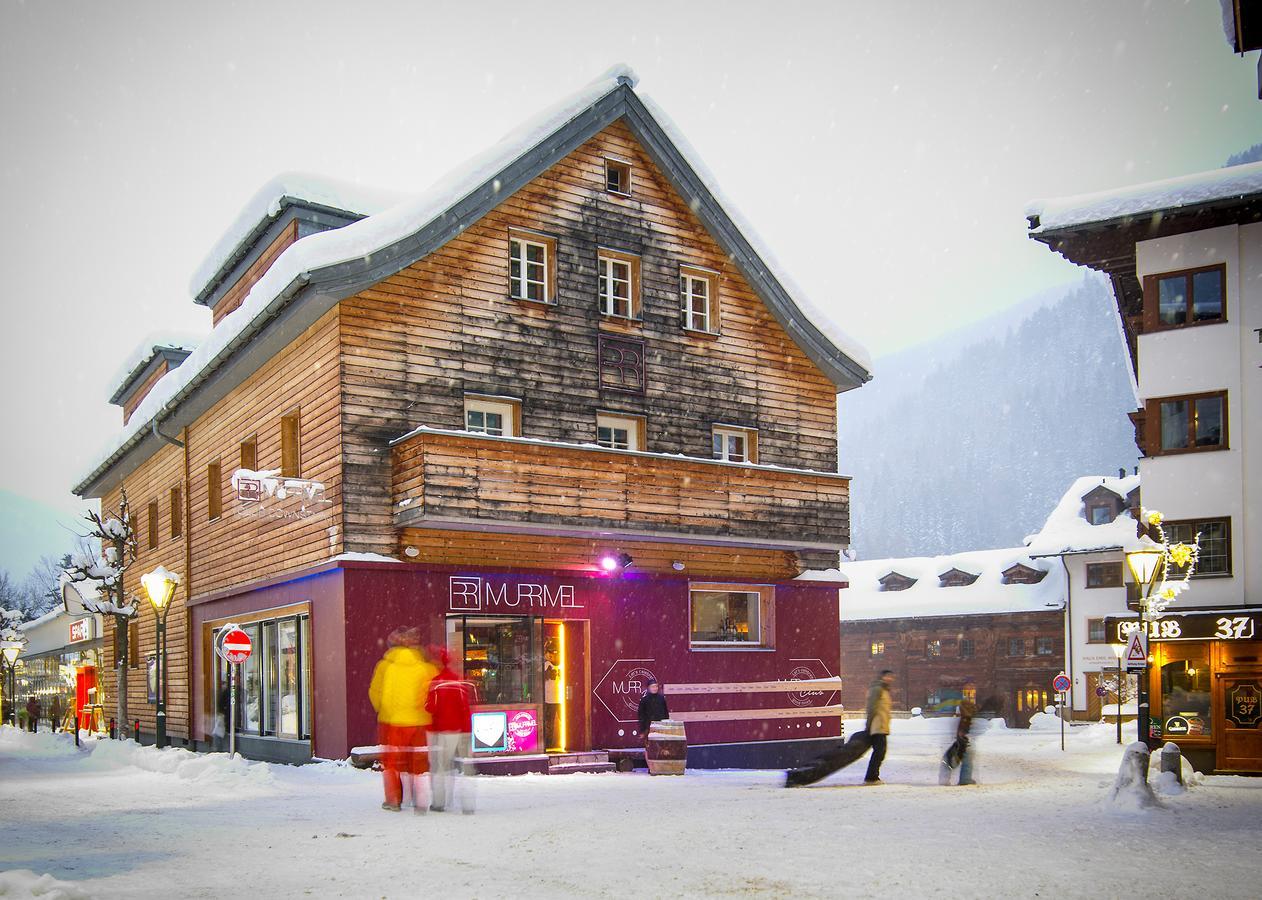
<point x="1221" y="625"/>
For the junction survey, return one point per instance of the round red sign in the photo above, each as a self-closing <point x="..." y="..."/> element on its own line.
<point x="235" y="646"/>
<point x="1061" y="683"/>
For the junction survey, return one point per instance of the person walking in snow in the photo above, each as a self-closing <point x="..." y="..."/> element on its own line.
<point x="32" y="713"/>
<point x="450" y="704"/>
<point x="878" y="714"/>
<point x="652" y="708"/>
<point x="400" y="686"/>
<point x="961" y="752"/>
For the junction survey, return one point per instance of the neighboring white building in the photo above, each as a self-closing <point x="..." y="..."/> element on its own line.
<point x="1090" y="530"/>
<point x="1185" y="260"/>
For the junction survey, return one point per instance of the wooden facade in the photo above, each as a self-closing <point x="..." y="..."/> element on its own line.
<point x="934" y="657"/>
<point x="408" y="350"/>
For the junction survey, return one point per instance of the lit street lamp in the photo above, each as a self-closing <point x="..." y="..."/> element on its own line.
<point x="160" y="586"/>
<point x="1147" y="567"/>
<point x="11" y="651"/>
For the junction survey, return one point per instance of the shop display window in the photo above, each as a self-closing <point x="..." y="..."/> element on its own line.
<point x="1185" y="697"/>
<point x="726" y="617"/>
<point x="500" y="657"/>
<point x="274" y="683"/>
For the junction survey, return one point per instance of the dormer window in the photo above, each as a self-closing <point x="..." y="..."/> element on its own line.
<point x="618" y="177"/>
<point x="1098" y="514"/>
<point x="896" y="582"/>
<point x="956" y="578"/>
<point x="1023" y="574"/>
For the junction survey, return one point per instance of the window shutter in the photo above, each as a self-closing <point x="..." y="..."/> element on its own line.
<point x="1150" y="304"/>
<point x="1152" y="428"/>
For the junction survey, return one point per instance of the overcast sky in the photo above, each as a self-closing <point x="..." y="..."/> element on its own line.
<point x="885" y="151"/>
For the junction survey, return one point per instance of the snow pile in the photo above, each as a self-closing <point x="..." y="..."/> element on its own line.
<point x="202" y="768"/>
<point x="865" y="598"/>
<point x="268" y="203"/>
<point x="1068" y="531"/>
<point x="1131" y="789"/>
<point x="19" y="742"/>
<point x="1047" y="720"/>
<point x="22" y="883"/>
<point x="1232" y="183"/>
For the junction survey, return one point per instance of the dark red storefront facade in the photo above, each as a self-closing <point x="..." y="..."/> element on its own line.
<point x="610" y="633"/>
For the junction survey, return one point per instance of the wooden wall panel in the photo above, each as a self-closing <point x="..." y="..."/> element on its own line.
<point x="415" y="343"/>
<point x="143" y="390"/>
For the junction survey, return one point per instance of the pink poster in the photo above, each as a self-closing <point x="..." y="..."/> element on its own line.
<point x="523" y="730"/>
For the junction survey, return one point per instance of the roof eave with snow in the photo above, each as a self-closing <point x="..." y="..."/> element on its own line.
<point x="294" y="293"/>
<point x="172" y="355"/>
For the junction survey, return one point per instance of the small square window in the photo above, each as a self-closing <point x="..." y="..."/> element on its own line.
<point x="933" y="648"/>
<point x="1192" y="297"/>
<point x="1104" y="575"/>
<point x="1099" y="515"/>
<point x="491" y="416"/>
<point x="735" y="444"/>
<point x="878" y="648"/>
<point x="619" y="432"/>
<point x="1096" y="632"/>
<point x="1214" y="556"/>
<point x="1044" y="646"/>
<point x="1016" y="646"/>
<point x="1192" y="423"/>
<point x="617" y="177"/>
<point x="730" y="615"/>
<point x="966" y="648"/>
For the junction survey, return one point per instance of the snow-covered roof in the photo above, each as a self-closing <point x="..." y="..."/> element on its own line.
<point x="367" y="241"/>
<point x="175" y="352"/>
<point x="46" y="617"/>
<point x="865" y="599"/>
<point x="1216" y="185"/>
<point x="1067" y="529"/>
<point x="271" y="199"/>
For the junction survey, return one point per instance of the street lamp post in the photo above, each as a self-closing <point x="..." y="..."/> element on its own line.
<point x="11" y="651"/>
<point x="160" y="586"/>
<point x="1147" y="568"/>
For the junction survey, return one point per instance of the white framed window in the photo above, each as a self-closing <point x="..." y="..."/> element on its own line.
<point x="619" y="432"/>
<point x="734" y="444"/>
<point x="619" y="284"/>
<point x="618" y="177"/>
<point x="530" y="267"/>
<point x="496" y="416"/>
<point x="730" y="616"/>
<point x="698" y="295"/>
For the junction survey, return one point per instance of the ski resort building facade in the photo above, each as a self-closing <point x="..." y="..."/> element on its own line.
<point x="1185" y="260"/>
<point x="561" y="411"/>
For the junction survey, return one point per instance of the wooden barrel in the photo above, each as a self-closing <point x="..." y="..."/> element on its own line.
<point x="667" y="748"/>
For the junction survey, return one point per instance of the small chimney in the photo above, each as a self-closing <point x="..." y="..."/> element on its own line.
<point x="1121" y="473"/>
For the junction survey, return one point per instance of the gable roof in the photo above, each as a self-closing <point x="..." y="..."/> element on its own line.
<point x="314" y="273"/>
<point x="172" y="355"/>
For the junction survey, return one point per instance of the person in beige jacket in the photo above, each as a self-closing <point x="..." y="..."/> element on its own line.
<point x="878" y="723"/>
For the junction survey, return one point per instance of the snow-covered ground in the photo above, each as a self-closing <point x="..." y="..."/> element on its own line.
<point x="115" y="820"/>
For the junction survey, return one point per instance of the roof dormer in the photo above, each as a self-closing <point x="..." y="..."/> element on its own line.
<point x="1020" y="573"/>
<point x="287" y="209"/>
<point x="956" y="578"/>
<point x="1101" y="505"/>
<point x="893" y="581"/>
<point x="162" y="358"/>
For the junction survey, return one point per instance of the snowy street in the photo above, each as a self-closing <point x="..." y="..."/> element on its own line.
<point x="121" y="821"/>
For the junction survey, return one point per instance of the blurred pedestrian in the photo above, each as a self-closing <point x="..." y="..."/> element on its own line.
<point x="652" y="708"/>
<point x="962" y="752"/>
<point x="878" y="713"/>
<point x="400" y="686"/>
<point x="32" y="713"/>
<point x="450" y="704"/>
<point x="56" y="712"/>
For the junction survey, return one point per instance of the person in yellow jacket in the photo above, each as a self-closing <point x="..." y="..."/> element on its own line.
<point x="400" y="684"/>
<point x="878" y="712"/>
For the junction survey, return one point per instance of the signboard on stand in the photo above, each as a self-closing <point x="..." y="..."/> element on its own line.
<point x="1136" y="655"/>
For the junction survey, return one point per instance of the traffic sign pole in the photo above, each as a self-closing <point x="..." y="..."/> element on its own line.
<point x="234" y="648"/>
<point x="1061" y="684"/>
<point x="232" y="715"/>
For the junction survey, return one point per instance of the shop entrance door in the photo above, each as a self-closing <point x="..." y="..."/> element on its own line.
<point x="567" y="721"/>
<point x="1240" y="740"/>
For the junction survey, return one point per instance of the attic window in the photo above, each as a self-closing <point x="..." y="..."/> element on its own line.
<point x="618" y="177"/>
<point x="956" y="578"/>
<point x="1023" y="574"/>
<point x="1098" y="514"/>
<point x="896" y="582"/>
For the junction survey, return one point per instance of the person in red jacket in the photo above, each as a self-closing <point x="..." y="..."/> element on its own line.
<point x="450" y="703"/>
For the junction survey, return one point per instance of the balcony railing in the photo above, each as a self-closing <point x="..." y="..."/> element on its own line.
<point x="446" y="479"/>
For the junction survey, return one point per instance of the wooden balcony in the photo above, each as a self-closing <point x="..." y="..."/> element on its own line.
<point x="462" y="481"/>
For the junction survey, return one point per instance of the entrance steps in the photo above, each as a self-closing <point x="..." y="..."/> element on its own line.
<point x="579" y="761"/>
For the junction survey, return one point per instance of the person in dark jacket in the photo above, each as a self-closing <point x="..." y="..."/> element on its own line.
<point x="652" y="708"/>
<point x="32" y="713"/>
<point x="964" y="725"/>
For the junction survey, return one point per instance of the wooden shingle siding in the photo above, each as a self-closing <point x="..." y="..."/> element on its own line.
<point x="415" y="343"/>
<point x="233" y="296"/>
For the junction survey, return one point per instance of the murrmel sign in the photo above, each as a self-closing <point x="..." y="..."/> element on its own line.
<point x="1222" y="625"/>
<point x="479" y="594"/>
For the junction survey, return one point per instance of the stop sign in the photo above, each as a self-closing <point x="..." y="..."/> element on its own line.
<point x="235" y="646"/>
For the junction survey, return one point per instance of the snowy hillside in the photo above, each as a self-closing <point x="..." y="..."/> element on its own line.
<point x="969" y="441"/>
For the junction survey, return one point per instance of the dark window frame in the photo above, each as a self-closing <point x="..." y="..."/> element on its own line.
<point x="1012" y="642"/>
<point x="1114" y="579"/>
<point x="1195" y="525"/>
<point x="152" y="529"/>
<point x="1097" y="627"/>
<point x="1041" y="642"/>
<point x="1154" y="404"/>
<point x="933" y="648"/>
<point x="176" y="501"/>
<point x="624" y="177"/>
<point x="1152" y="298"/>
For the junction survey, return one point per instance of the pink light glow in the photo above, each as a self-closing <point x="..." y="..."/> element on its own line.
<point x="608" y="563"/>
